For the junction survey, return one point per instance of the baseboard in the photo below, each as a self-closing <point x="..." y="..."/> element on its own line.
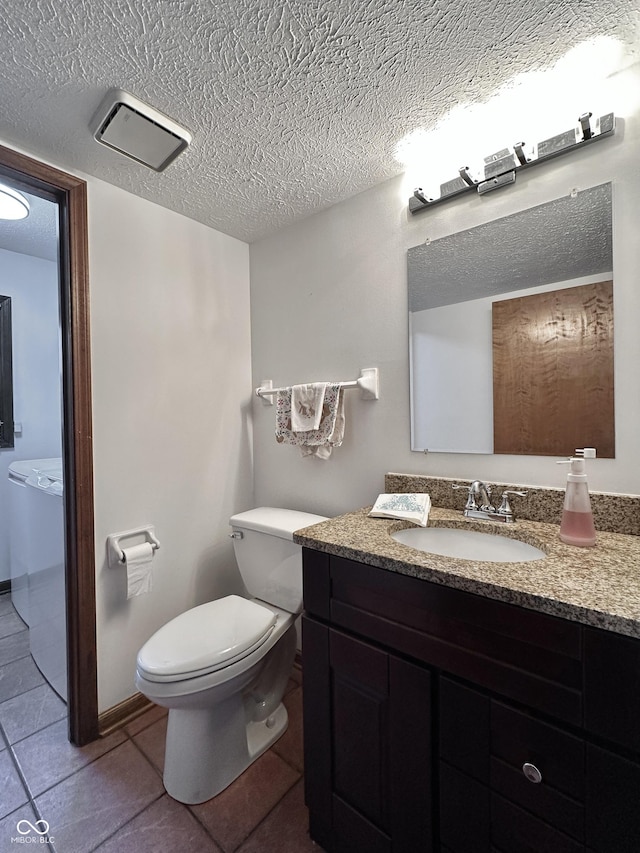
<point x="5" y="586"/>
<point x="122" y="713"/>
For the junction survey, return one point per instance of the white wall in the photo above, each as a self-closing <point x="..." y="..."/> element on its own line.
<point x="171" y="373"/>
<point x="329" y="296"/>
<point x="172" y="434"/>
<point x="32" y="284"/>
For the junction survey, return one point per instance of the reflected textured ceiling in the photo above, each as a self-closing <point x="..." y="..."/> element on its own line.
<point x="293" y="106"/>
<point x="37" y="235"/>
<point x="564" y="239"/>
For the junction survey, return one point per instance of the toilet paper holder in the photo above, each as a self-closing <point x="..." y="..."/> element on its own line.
<point x="115" y="553"/>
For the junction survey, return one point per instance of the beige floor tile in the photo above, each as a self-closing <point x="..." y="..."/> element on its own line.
<point x="29" y="712"/>
<point x="5" y="604"/>
<point x="47" y="757"/>
<point x="90" y="806"/>
<point x="285" y="830"/>
<point x="14" y="647"/>
<point x="11" y="834"/>
<point x="12" y="792"/>
<point x="152" y="742"/>
<point x="10" y="623"/>
<point x="164" y="827"/>
<point x="233" y="815"/>
<point x="18" y="677"/>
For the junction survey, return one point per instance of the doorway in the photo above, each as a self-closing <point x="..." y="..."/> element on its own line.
<point x="70" y="195"/>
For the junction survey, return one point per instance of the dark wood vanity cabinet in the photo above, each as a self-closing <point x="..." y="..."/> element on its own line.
<point x="439" y="720"/>
<point x="370" y="751"/>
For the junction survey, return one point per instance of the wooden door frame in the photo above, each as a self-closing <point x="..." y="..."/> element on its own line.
<point x="70" y="193"/>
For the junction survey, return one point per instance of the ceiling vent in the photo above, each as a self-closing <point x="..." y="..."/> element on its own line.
<point x="139" y="131"/>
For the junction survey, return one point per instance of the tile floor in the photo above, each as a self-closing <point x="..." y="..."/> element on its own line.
<point x="108" y="796"/>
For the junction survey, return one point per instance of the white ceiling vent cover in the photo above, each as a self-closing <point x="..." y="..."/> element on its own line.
<point x="137" y="130"/>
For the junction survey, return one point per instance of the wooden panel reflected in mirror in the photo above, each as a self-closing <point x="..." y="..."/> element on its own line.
<point x="553" y="372"/>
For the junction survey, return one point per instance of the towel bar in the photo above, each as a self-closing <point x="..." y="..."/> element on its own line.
<point x="368" y="382"/>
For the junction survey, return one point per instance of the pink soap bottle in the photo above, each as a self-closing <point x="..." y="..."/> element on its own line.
<point x="576" y="527"/>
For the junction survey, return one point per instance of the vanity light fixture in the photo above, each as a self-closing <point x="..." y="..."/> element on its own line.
<point x="13" y="205"/>
<point x="500" y="168"/>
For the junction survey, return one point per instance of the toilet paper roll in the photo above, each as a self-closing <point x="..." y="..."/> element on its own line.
<point x="138" y="559"/>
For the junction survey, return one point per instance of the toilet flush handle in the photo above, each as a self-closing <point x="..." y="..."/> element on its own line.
<point x="237" y="534"/>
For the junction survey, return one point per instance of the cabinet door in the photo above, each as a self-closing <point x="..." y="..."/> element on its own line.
<point x="316" y="703"/>
<point x="367" y="746"/>
<point x="613" y="796"/>
<point x="360" y="723"/>
<point x="612" y="687"/>
<point x="411" y="765"/>
<point x="382" y="741"/>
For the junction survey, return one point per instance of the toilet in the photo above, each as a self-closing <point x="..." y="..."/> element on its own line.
<point x="222" y="668"/>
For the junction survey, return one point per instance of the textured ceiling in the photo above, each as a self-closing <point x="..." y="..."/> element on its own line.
<point x="293" y="106"/>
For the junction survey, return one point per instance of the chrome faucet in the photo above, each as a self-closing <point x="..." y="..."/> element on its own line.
<point x="479" y="504"/>
<point x="481" y="494"/>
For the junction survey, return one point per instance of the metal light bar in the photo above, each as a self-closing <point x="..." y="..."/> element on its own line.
<point x="500" y="168"/>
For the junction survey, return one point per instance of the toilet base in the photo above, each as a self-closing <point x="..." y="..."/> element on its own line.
<point x="262" y="735"/>
<point x="200" y="762"/>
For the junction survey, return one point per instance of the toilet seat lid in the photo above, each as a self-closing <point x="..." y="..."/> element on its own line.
<point x="206" y="638"/>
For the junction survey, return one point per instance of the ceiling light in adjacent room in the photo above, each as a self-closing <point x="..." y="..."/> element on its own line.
<point x="13" y="205"/>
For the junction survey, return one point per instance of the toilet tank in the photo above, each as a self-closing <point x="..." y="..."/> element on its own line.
<point x="269" y="560"/>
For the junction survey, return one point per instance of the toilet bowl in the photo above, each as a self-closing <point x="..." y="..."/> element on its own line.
<point x="222" y="668"/>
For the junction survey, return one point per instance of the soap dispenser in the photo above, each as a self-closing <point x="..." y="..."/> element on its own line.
<point x="576" y="527"/>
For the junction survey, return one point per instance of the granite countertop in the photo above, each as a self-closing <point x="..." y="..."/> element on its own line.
<point x="597" y="586"/>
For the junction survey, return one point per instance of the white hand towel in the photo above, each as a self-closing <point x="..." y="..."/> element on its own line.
<point x="306" y="406"/>
<point x="408" y="507"/>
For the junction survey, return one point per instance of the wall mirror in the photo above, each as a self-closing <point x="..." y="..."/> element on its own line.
<point x="511" y="333"/>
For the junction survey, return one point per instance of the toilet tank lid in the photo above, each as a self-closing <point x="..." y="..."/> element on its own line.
<point x="275" y="521"/>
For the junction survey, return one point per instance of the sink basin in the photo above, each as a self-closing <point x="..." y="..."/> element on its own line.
<point x="468" y="544"/>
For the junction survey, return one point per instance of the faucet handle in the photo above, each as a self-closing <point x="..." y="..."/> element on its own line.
<point x="470" y="504"/>
<point x="505" y="506"/>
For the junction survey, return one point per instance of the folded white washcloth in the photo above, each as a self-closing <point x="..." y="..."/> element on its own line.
<point x="306" y="406"/>
<point x="408" y="507"/>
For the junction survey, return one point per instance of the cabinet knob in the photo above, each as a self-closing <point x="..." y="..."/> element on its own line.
<point x="532" y="773"/>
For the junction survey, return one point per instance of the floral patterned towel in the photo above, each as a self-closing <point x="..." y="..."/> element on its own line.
<point x="329" y="434"/>
<point x="408" y="507"/>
